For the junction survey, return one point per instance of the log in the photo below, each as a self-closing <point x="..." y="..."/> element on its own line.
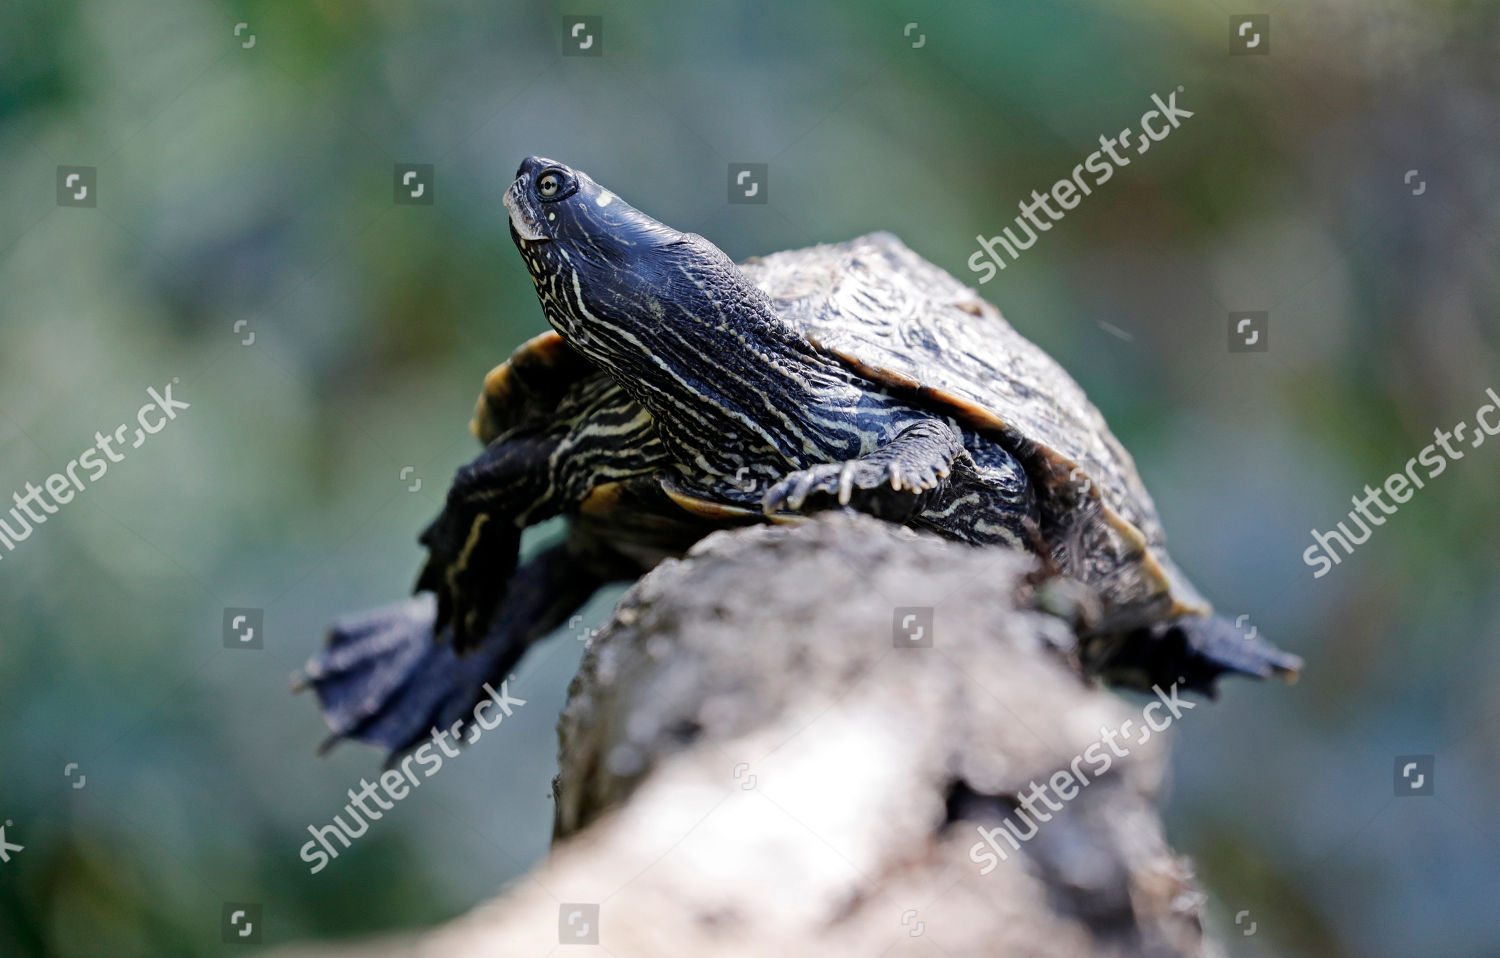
<point x="759" y="756"/>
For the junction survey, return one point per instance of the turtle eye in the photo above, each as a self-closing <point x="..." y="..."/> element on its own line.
<point x="551" y="185"/>
<point x="555" y="184"/>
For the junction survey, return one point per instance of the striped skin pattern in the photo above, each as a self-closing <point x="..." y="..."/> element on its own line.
<point x="748" y="409"/>
<point x="681" y="350"/>
<point x="542" y="465"/>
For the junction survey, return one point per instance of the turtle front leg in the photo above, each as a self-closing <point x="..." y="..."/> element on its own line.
<point x="528" y="474"/>
<point x="474" y="544"/>
<point x="894" y="482"/>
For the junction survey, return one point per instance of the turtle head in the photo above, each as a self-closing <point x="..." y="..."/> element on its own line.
<point x="601" y="266"/>
<point x="593" y="257"/>
<point x="647" y="303"/>
<point x="552" y="203"/>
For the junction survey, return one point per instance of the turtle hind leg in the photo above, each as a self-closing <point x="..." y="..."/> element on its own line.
<point x="385" y="681"/>
<point x="1191" y="651"/>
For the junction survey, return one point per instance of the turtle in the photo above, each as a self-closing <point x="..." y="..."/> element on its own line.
<point x="677" y="393"/>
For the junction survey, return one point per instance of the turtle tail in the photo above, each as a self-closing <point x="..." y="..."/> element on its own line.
<point x="1191" y="651"/>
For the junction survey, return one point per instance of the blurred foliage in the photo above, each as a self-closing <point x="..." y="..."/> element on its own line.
<point x="252" y="186"/>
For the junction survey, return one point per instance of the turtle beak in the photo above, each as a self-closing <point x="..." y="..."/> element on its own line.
<point x="524" y="216"/>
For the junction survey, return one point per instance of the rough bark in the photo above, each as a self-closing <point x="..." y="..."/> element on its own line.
<point x="750" y="765"/>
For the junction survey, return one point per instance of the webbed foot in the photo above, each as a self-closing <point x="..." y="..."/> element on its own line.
<point x="386" y="679"/>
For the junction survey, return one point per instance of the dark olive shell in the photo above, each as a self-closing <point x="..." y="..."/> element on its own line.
<point x="910" y="326"/>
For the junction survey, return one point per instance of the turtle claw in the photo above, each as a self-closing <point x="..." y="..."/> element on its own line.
<point x="884" y="489"/>
<point x="893" y="482"/>
<point x="792" y="492"/>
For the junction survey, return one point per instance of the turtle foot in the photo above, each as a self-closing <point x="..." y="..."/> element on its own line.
<point x="860" y="484"/>
<point x="392" y="677"/>
<point x="894" y="482"/>
<point x="383" y="680"/>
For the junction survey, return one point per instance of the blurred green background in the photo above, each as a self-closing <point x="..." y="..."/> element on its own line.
<point x="248" y="190"/>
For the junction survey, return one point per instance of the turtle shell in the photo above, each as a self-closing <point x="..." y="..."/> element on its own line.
<point x="908" y="325"/>
<point x="527" y="386"/>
